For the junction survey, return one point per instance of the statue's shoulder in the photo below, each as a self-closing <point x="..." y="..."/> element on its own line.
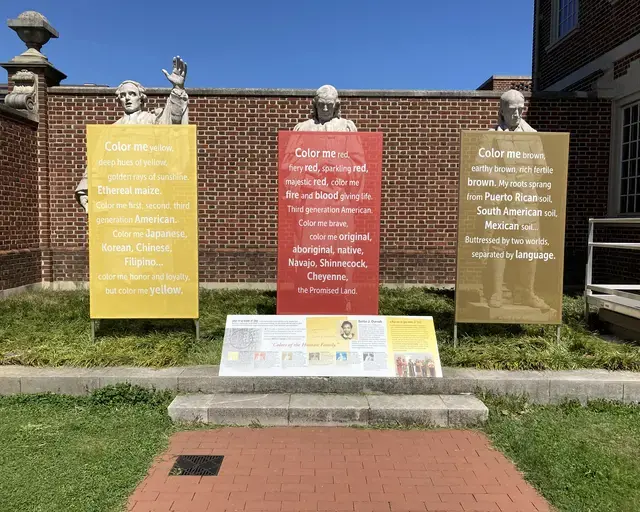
<point x="149" y="117"/>
<point x="351" y="126"/>
<point x="305" y="126"/>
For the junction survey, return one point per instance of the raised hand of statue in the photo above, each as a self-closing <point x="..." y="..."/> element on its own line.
<point x="179" y="73"/>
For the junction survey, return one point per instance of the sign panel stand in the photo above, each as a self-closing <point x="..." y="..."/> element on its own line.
<point x="329" y="186"/>
<point x="511" y="228"/>
<point x="330" y="346"/>
<point x="455" y="334"/>
<point x="143" y="223"/>
<point x="95" y="325"/>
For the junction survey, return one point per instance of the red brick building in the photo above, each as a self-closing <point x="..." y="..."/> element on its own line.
<point x="593" y="46"/>
<point x="43" y="231"/>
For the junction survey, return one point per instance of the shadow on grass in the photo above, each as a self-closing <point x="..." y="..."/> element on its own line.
<point x="142" y="327"/>
<point x="439" y="304"/>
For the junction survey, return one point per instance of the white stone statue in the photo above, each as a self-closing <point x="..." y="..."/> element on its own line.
<point x="523" y="293"/>
<point x="132" y="97"/>
<point x="326" y="118"/>
<point x="326" y="114"/>
<point x="510" y="113"/>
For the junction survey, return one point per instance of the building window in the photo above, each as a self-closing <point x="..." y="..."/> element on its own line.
<point x="567" y="16"/>
<point x="564" y="18"/>
<point x="630" y="160"/>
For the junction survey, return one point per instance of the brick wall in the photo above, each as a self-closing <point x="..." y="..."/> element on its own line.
<point x="504" y="83"/>
<point x="20" y="257"/>
<point x="621" y="66"/>
<point x="589" y="123"/>
<point x="603" y="25"/>
<point x="237" y="168"/>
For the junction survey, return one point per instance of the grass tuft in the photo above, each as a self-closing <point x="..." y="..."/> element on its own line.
<point x="47" y="328"/>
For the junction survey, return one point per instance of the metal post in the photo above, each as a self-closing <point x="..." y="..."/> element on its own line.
<point x="196" y="321"/>
<point x="589" y="276"/>
<point x="93" y="331"/>
<point x="455" y="334"/>
<point x="558" y="334"/>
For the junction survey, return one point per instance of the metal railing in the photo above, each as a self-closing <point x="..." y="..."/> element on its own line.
<point x="610" y="290"/>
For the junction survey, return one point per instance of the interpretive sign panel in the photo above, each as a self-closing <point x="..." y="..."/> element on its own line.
<point x="329" y="222"/>
<point x="350" y="346"/>
<point x="143" y="221"/>
<point x="511" y="226"/>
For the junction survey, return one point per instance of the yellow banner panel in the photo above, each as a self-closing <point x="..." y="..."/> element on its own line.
<point x="143" y="221"/>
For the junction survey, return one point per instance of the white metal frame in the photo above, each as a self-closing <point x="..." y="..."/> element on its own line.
<point x="616" y="297"/>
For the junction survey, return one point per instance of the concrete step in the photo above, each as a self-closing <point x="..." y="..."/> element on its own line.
<point x="276" y="409"/>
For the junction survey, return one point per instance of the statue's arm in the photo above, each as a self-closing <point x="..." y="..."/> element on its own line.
<point x="82" y="191"/>
<point x="175" y="112"/>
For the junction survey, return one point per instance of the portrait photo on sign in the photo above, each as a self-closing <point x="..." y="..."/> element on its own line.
<point x="348" y="330"/>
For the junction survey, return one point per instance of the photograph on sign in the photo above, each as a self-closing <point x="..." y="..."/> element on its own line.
<point x="336" y="345"/>
<point x="328" y="222"/>
<point x="143" y="221"/>
<point x="511" y="225"/>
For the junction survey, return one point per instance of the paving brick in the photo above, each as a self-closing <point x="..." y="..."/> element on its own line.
<point x="335" y="489"/>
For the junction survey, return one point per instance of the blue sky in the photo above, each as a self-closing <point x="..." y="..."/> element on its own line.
<point x="352" y="44"/>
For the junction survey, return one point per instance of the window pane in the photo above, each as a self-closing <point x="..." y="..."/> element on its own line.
<point x="629" y="165"/>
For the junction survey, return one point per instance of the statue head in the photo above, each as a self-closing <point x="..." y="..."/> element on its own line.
<point x="131" y="96"/>
<point x="326" y="104"/>
<point x="511" y="109"/>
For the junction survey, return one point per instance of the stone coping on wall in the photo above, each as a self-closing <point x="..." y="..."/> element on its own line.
<point x="214" y="285"/>
<point x="19" y="115"/>
<point x="370" y="93"/>
<point x="541" y="387"/>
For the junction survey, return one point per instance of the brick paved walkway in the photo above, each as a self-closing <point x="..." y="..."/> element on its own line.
<point x="335" y="469"/>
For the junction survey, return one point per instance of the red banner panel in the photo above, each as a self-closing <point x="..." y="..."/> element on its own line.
<point x="329" y="222"/>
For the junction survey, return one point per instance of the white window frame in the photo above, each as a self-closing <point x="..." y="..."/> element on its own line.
<point x="615" y="185"/>
<point x="555" y="36"/>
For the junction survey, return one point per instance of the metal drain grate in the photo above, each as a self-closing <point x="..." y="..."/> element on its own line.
<point x="197" y="465"/>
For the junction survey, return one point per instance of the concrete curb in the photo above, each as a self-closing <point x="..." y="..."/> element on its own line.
<point x="328" y="410"/>
<point x="541" y="387"/>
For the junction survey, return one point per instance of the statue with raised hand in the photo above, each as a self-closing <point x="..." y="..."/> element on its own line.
<point x="132" y="96"/>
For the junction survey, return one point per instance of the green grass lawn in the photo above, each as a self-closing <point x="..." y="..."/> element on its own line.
<point x="53" y="328"/>
<point x="582" y="459"/>
<point x="77" y="454"/>
<point x="88" y="454"/>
